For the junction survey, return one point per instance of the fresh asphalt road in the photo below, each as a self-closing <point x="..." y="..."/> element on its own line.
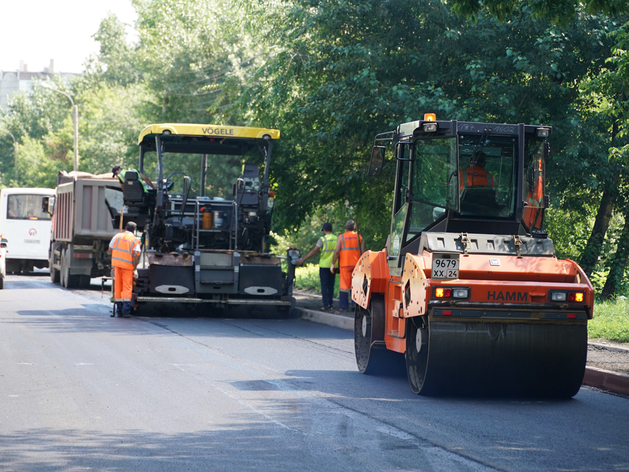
<point x="81" y="390"/>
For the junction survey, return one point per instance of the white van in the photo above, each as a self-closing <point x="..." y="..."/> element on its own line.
<point x="26" y="227"/>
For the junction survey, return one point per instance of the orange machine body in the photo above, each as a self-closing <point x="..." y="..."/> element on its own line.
<point x="516" y="284"/>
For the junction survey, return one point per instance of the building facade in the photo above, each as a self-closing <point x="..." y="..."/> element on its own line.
<point x="22" y="80"/>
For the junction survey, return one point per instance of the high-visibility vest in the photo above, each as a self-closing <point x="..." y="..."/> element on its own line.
<point x="327" y="251"/>
<point x="349" y="252"/>
<point x="535" y="201"/>
<point x="123" y="245"/>
<point x="476" y="176"/>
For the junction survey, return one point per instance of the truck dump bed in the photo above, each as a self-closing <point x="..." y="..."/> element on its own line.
<point x="82" y="227"/>
<point x="81" y="208"/>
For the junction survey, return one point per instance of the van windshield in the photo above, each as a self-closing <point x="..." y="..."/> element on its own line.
<point x="26" y="207"/>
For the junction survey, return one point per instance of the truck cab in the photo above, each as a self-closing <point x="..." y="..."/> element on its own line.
<point x="457" y="177"/>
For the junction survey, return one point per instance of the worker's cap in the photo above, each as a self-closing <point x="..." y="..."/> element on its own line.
<point x="115" y="169"/>
<point x="326" y="227"/>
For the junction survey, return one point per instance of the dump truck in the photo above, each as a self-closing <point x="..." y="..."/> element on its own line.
<point x="204" y="239"/>
<point x="82" y="211"/>
<point x="468" y="287"/>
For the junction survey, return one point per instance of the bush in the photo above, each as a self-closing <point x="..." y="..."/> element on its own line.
<point x="307" y="278"/>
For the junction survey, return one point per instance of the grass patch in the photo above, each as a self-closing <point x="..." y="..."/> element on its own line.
<point x="307" y="278"/>
<point x="611" y="321"/>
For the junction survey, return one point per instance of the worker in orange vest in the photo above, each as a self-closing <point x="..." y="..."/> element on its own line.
<point x="125" y="252"/>
<point x="476" y="175"/>
<point x="349" y="247"/>
<point x="534" y="186"/>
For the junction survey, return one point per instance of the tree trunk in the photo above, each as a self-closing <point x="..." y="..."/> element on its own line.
<point x="592" y="250"/>
<point x="619" y="261"/>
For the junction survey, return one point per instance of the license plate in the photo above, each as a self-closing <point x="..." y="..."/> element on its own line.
<point x="445" y="266"/>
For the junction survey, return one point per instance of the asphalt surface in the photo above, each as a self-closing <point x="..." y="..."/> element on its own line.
<point x="607" y="362"/>
<point x="195" y="391"/>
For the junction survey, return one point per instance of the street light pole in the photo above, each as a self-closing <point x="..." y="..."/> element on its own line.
<point x="75" y="121"/>
<point x="15" y="144"/>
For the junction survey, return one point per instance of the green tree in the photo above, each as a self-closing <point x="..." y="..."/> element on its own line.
<point x="558" y="11"/>
<point x="346" y="70"/>
<point x="35" y="169"/>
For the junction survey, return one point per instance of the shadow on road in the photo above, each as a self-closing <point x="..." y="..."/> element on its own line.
<point x="250" y="446"/>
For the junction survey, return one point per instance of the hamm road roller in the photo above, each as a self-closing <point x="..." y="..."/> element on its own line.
<point x="468" y="286"/>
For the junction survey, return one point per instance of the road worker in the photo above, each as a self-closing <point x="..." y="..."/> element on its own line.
<point x="534" y="188"/>
<point x="117" y="171"/>
<point x="326" y="244"/>
<point x="476" y="175"/>
<point x="349" y="247"/>
<point x="125" y="253"/>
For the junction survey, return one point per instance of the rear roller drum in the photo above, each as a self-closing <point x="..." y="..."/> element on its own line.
<point x="371" y="355"/>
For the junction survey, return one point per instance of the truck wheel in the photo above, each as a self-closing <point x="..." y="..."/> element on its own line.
<point x="67" y="280"/>
<point x="54" y="273"/>
<point x="62" y="268"/>
<point x="1" y="282"/>
<point x="372" y="358"/>
<point x="84" y="281"/>
<point x="417" y="345"/>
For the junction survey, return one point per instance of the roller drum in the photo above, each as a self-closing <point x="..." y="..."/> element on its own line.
<point x="479" y="357"/>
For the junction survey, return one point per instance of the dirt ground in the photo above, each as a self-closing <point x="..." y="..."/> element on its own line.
<point x="608" y="355"/>
<point x="602" y="354"/>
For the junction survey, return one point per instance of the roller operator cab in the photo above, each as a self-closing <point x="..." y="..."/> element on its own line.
<point x="468" y="287"/>
<point x="204" y="215"/>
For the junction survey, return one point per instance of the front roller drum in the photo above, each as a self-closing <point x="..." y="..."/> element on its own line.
<point x="369" y="337"/>
<point x="372" y="357"/>
<point x="495" y="358"/>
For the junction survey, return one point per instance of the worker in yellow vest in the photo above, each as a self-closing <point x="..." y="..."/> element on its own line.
<point x="326" y="245"/>
<point x="125" y="253"/>
<point x="147" y="185"/>
<point x="349" y="247"/>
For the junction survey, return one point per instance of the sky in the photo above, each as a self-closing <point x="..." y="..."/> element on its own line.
<point x="37" y="31"/>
